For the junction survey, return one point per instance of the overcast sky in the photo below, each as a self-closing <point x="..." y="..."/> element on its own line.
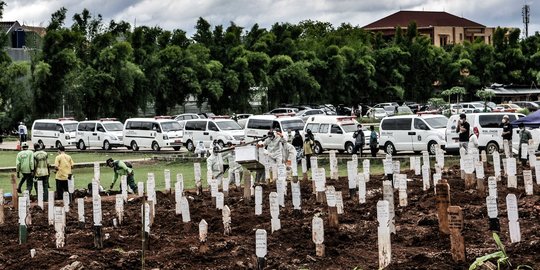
<point x="183" y="14"/>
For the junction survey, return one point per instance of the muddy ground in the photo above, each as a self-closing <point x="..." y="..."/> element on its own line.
<point x="417" y="243"/>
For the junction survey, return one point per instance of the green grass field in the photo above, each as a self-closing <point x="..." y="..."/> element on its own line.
<point x="83" y="176"/>
<point x="7" y="158"/>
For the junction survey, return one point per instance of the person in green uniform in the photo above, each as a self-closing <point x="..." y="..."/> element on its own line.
<point x="122" y="168"/>
<point x="41" y="169"/>
<point x="25" y="165"/>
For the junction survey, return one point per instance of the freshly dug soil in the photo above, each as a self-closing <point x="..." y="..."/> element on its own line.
<point x="417" y="243"/>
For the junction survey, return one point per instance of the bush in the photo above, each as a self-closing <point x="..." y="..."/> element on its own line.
<point x="524" y="111"/>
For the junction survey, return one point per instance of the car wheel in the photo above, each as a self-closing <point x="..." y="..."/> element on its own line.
<point x="492" y="147"/>
<point x="318" y="148"/>
<point x="81" y="145"/>
<point x="106" y="145"/>
<point x="190" y="146"/>
<point x="389" y="148"/>
<point x="41" y="144"/>
<point x="176" y="148"/>
<point x="58" y="144"/>
<point x="134" y="146"/>
<point x="349" y="147"/>
<point x="432" y="148"/>
<point x="155" y="146"/>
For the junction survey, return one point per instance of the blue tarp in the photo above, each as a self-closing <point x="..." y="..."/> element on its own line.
<point x="531" y="120"/>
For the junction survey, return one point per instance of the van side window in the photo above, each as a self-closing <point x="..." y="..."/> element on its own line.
<point x="313" y="127"/>
<point x="259" y="124"/>
<point x="212" y="126"/>
<point x="100" y="128"/>
<point x="324" y="128"/>
<point x="59" y="128"/>
<point x="335" y="129"/>
<point x="420" y="124"/>
<point x="275" y="124"/>
<point x="403" y="124"/>
<point x="156" y="128"/>
<point x="490" y="120"/>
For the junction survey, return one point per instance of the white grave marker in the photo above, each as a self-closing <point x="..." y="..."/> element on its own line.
<point x="50" y="206"/>
<point x="492" y="186"/>
<point x="479" y="168"/>
<point x="140" y="188"/>
<point x="361" y="188"/>
<point x="96" y="210"/>
<point x="71" y="185"/>
<point x="366" y="168"/>
<point x="317" y="230"/>
<point x="339" y="202"/>
<point x="425" y="177"/>
<point x="258" y="200"/>
<point x="319" y="176"/>
<point x="491" y="203"/>
<point x="383" y="231"/>
<point x="527" y="179"/>
<point x="66" y="201"/>
<point x="512" y="209"/>
<point x="39" y="194"/>
<point x="330" y="196"/>
<point x="296" y="196"/>
<point x="219" y="200"/>
<point x="417" y="166"/>
<point x="274" y="211"/>
<point x="497" y="164"/>
<point x="352" y="172"/>
<point x="203" y="231"/>
<point x="402" y="186"/>
<point x="388" y="195"/>
<point x="80" y="209"/>
<point x="124" y="187"/>
<point x="97" y="174"/>
<point x="260" y="243"/>
<point x="184" y="204"/>
<point x="167" y="175"/>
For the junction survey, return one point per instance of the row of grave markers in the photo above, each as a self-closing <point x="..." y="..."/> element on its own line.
<point x="357" y="182"/>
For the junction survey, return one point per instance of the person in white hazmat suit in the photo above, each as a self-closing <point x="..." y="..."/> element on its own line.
<point x="214" y="164"/>
<point x="200" y="150"/>
<point x="233" y="165"/>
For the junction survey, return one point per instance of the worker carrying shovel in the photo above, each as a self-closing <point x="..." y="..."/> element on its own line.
<point x="122" y="168"/>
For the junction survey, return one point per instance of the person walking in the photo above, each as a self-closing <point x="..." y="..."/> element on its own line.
<point x="463" y="129"/>
<point x="122" y="168"/>
<point x="360" y="140"/>
<point x="507" y="133"/>
<point x="308" y="150"/>
<point x="41" y="169"/>
<point x="525" y="139"/>
<point x="24" y="164"/>
<point x="23" y="132"/>
<point x="373" y="141"/>
<point x="63" y="165"/>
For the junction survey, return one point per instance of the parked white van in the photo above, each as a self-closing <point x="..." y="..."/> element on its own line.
<point x="220" y="128"/>
<point x="105" y="133"/>
<point x="412" y="133"/>
<point x="54" y="132"/>
<point x="489" y="131"/>
<point x="334" y="133"/>
<point x="257" y="126"/>
<point x="155" y="132"/>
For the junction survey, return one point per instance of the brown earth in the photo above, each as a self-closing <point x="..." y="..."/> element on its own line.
<point x="417" y="243"/>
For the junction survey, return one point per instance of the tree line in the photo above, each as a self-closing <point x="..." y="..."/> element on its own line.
<point x="98" y="69"/>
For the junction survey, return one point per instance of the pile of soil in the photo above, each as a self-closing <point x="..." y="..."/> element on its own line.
<point x="417" y="243"/>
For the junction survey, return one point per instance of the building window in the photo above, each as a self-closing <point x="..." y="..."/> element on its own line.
<point x="443" y="40"/>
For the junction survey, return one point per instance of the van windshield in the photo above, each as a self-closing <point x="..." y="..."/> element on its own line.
<point x="349" y="128"/>
<point x="113" y="126"/>
<point x="170" y="126"/>
<point x="228" y="125"/>
<point x="437" y="122"/>
<point x="292" y="125"/>
<point x="70" y="127"/>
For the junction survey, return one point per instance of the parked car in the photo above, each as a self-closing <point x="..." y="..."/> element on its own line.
<point x="404" y="110"/>
<point x="476" y="107"/>
<point x="531" y="106"/>
<point x="452" y="109"/>
<point x="412" y="133"/>
<point x="382" y="105"/>
<point x="377" y="113"/>
<point x="292" y="111"/>
<point x="334" y="133"/>
<point x="241" y="118"/>
<point x="415" y="107"/>
<point x="105" y="133"/>
<point x="221" y="129"/>
<point x="257" y="126"/>
<point x="307" y="113"/>
<point x="157" y="133"/>
<point x="510" y="107"/>
<point x="54" y="132"/>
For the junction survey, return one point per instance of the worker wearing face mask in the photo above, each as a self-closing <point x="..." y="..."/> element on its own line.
<point x="525" y="137"/>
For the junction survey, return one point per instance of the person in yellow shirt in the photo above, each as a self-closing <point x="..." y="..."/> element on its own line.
<point x="63" y="165"/>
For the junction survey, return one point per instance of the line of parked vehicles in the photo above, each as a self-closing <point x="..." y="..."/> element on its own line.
<point x="410" y="132"/>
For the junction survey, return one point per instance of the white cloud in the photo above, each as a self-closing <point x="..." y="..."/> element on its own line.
<point x="183" y="14"/>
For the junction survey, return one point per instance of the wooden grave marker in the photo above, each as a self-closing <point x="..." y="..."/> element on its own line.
<point x="66" y="201"/>
<point x="402" y="189"/>
<point x="417" y="166"/>
<point x="140" y="189"/>
<point x="457" y="242"/>
<point x="59" y="226"/>
<point x="220" y="200"/>
<point x="383" y="233"/>
<point x="361" y="188"/>
<point x="493" y="213"/>
<point x="146" y="223"/>
<point x="304" y="169"/>
<point x="513" y="216"/>
<point x="2" y="217"/>
<point x="425" y="177"/>
<point x="124" y="187"/>
<point x="497" y="165"/>
<point x="97" y="214"/>
<point x="258" y="200"/>
<point x="366" y="169"/>
<point x="334" y="173"/>
<point x="119" y="207"/>
<point x="492" y="186"/>
<point x="319" y="176"/>
<point x="226" y="217"/>
<point x="468" y="168"/>
<point x="261" y="248"/>
<point x="317" y="235"/>
<point x="274" y="211"/>
<point x="247" y="187"/>
<point x="480" y="186"/>
<point x="177" y="198"/>
<point x="443" y="202"/>
<point x="339" y="202"/>
<point x="333" y="219"/>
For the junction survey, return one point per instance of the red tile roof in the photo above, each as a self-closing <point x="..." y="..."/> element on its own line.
<point x="423" y="19"/>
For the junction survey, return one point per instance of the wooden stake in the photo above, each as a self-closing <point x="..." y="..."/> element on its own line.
<point x="333" y="220"/>
<point x="1" y="206"/>
<point x="443" y="202"/>
<point x="470" y="181"/>
<point x="455" y="217"/>
<point x="98" y="236"/>
<point x="14" y="193"/>
<point x="247" y="187"/>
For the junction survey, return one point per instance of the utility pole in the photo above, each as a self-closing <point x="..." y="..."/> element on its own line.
<point x="526" y="13"/>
